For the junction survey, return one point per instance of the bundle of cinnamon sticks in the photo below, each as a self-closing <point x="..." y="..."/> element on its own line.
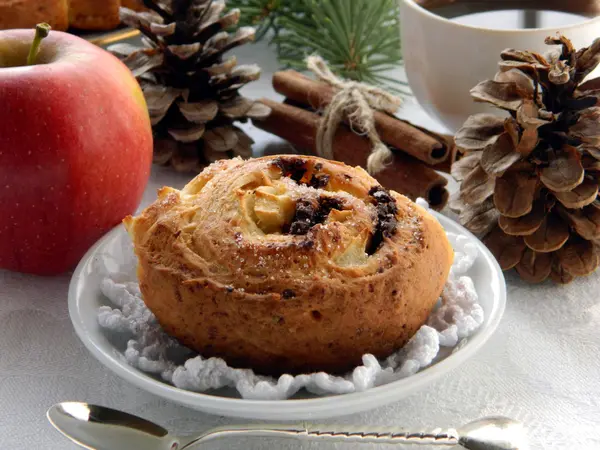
<point x="418" y="153"/>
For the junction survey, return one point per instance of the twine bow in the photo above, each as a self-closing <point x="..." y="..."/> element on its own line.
<point x="356" y="102"/>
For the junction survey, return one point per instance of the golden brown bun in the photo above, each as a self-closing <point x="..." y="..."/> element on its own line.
<point x="28" y="13"/>
<point x="136" y="5"/>
<point x="94" y="14"/>
<point x="250" y="263"/>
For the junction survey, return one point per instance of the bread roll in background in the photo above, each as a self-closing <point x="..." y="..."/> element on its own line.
<point x="136" y="5"/>
<point x="289" y="264"/>
<point x="28" y="13"/>
<point x="94" y="14"/>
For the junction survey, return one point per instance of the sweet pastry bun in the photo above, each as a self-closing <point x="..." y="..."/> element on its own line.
<point x="94" y="14"/>
<point x="28" y="13"/>
<point x="60" y="14"/>
<point x="136" y="5"/>
<point x="289" y="264"/>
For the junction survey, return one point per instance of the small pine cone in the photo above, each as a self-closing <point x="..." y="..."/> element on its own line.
<point x="191" y="90"/>
<point x="530" y="180"/>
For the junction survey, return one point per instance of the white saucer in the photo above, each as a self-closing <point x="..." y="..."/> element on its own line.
<point x="85" y="298"/>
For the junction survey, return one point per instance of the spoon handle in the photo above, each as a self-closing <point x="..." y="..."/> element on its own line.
<point x="343" y="433"/>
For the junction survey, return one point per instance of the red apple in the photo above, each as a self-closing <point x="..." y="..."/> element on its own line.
<point x="75" y="149"/>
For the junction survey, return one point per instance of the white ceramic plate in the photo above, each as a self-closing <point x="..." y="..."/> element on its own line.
<point x="85" y="298"/>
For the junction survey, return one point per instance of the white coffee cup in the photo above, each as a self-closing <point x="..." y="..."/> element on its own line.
<point x="445" y="59"/>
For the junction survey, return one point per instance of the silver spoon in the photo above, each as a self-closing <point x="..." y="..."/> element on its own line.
<point x="99" y="428"/>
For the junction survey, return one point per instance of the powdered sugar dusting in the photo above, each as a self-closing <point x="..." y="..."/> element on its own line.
<point x="151" y="350"/>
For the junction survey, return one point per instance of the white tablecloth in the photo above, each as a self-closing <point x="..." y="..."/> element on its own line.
<point x="541" y="366"/>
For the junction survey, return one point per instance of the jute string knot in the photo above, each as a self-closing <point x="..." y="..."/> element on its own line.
<point x="356" y="102"/>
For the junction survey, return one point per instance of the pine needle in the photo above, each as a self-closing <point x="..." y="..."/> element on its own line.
<point x="360" y="39"/>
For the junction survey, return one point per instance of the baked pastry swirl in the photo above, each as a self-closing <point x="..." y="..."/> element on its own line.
<point x="289" y="264"/>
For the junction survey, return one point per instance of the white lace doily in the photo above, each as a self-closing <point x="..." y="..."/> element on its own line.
<point x="152" y="351"/>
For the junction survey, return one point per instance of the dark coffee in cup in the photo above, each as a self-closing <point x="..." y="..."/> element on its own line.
<point x="514" y="14"/>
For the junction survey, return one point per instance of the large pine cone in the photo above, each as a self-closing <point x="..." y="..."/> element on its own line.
<point x="530" y="180"/>
<point x="191" y="91"/>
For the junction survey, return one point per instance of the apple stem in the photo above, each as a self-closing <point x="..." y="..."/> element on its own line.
<point x="41" y="31"/>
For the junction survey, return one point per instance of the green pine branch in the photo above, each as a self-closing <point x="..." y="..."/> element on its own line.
<point x="360" y="39"/>
<point x="260" y="14"/>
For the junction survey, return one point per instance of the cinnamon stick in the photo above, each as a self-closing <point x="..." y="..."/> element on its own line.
<point x="397" y="133"/>
<point x="453" y="156"/>
<point x="406" y="174"/>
